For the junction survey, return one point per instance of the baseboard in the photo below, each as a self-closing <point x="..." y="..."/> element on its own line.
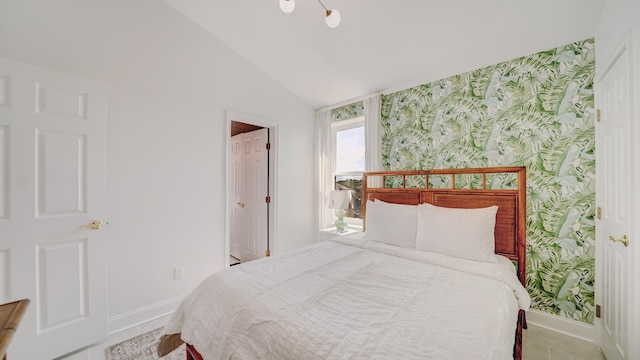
<point x="562" y="325"/>
<point x="142" y="315"/>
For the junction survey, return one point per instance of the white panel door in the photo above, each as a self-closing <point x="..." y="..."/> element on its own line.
<point x="254" y="190"/>
<point x="614" y="282"/>
<point x="53" y="184"/>
<point x="237" y="233"/>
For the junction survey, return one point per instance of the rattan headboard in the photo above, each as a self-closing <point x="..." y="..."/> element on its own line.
<point x="510" y="230"/>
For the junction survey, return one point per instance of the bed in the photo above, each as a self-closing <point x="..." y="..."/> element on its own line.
<point x="439" y="273"/>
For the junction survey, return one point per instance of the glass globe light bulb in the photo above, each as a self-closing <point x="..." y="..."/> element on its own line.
<point x="333" y="18"/>
<point x="287" y="6"/>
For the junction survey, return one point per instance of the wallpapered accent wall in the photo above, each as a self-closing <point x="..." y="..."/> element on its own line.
<point x="536" y="111"/>
<point x="348" y="112"/>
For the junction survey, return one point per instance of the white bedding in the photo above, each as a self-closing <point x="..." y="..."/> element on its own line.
<point x="354" y="299"/>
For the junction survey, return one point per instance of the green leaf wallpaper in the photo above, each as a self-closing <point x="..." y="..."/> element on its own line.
<point x="536" y="111"/>
<point x="348" y="112"/>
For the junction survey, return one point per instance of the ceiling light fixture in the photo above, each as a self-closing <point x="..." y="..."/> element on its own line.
<point x="287" y="6"/>
<point x="332" y="17"/>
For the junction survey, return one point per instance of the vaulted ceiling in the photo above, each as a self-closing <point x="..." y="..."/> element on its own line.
<point x="387" y="45"/>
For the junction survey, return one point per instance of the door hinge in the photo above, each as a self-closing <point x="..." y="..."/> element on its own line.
<point x="598" y="115"/>
<point x="268" y="199"/>
<point x="599" y="213"/>
<point x="268" y="146"/>
<point x="598" y="311"/>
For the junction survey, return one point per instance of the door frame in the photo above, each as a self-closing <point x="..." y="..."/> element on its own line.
<point x="273" y="179"/>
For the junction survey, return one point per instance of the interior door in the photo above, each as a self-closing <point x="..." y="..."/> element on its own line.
<point x="53" y="185"/>
<point x="237" y="233"/>
<point x="254" y="191"/>
<point x="614" y="282"/>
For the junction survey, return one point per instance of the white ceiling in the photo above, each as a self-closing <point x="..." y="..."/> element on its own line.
<point x="387" y="45"/>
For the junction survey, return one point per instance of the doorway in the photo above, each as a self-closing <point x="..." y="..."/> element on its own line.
<point x="251" y="179"/>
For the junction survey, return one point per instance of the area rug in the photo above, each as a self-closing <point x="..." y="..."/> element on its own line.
<point x="141" y="347"/>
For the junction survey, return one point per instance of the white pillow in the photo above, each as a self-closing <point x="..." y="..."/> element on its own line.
<point x="506" y="264"/>
<point x="393" y="224"/>
<point x="463" y="233"/>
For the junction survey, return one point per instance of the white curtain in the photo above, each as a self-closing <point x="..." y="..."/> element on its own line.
<point x="325" y="164"/>
<point x="326" y="158"/>
<point x="373" y="157"/>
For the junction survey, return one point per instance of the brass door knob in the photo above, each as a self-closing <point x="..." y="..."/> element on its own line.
<point x="241" y="204"/>
<point x="94" y="225"/>
<point x="624" y="240"/>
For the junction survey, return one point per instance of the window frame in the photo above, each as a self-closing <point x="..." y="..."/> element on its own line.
<point x="336" y="127"/>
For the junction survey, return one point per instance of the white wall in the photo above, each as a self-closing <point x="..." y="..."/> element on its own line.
<point x="170" y="85"/>
<point x="621" y="18"/>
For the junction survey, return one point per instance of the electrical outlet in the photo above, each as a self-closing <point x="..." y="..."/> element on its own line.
<point x="178" y="273"/>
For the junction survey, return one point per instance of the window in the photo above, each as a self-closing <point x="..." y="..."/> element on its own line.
<point x="349" y="150"/>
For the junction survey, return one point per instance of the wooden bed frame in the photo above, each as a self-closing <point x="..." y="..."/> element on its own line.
<point x="510" y="230"/>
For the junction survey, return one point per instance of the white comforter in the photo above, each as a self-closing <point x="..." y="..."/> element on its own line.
<point x="354" y="299"/>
